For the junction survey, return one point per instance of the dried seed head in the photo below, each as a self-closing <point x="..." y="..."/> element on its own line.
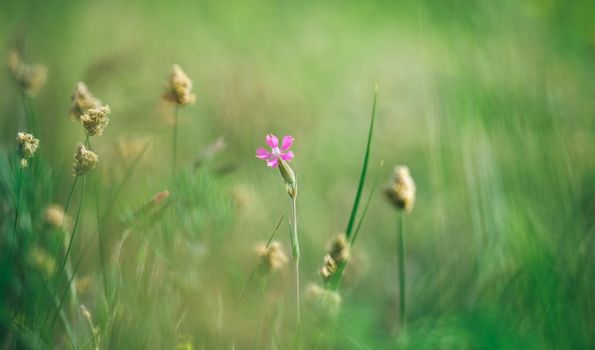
<point x="271" y="258"/>
<point x="178" y="87"/>
<point x="31" y="77"/>
<point x="328" y="269"/>
<point x="338" y="248"/>
<point x="401" y="189"/>
<point x="40" y="259"/>
<point x="325" y="300"/>
<point x="95" y="120"/>
<point x="54" y="216"/>
<point x="27" y="144"/>
<point x="84" y="161"/>
<point x="82" y="101"/>
<point x="337" y="253"/>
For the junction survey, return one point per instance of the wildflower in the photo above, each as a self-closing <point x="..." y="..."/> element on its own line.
<point x="84" y="161"/>
<point x="55" y="216"/>
<point x="178" y="87"/>
<point x="280" y="157"/>
<point x="82" y="101"/>
<point x="325" y="300"/>
<point x="95" y="120"/>
<point x="283" y="152"/>
<point x="272" y="258"/>
<point x="26" y="146"/>
<point x="401" y="189"/>
<point x="31" y="77"/>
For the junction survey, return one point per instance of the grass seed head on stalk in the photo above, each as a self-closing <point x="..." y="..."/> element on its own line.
<point x="84" y="161"/>
<point x="337" y="253"/>
<point x="95" y="120"/>
<point x="31" y="77"/>
<point x="329" y="268"/>
<point x="54" y="216"/>
<point x="325" y="300"/>
<point x="178" y="88"/>
<point x="271" y="258"/>
<point x="82" y="101"/>
<point x="401" y="189"/>
<point x="27" y="144"/>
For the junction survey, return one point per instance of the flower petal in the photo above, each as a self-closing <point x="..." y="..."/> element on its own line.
<point x="272" y="141"/>
<point x="273" y="162"/>
<point x="287" y="142"/>
<point x="287" y="156"/>
<point x="262" y="153"/>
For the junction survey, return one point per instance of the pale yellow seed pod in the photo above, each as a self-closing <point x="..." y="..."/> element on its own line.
<point x="401" y="189"/>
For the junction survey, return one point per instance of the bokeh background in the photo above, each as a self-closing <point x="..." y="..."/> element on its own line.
<point x="489" y="103"/>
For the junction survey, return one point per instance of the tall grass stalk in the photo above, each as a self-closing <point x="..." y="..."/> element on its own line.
<point x="72" y="237"/>
<point x="401" y="267"/>
<point x="295" y="252"/>
<point x="174" y="144"/>
<point x="19" y="185"/>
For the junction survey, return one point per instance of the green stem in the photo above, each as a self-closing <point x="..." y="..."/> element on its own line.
<point x="29" y="116"/>
<point x="74" y="229"/>
<point x="401" y="267"/>
<point x="19" y="184"/>
<point x="174" y="144"/>
<point x="295" y="249"/>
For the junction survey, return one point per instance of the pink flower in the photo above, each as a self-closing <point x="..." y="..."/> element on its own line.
<point x="272" y="157"/>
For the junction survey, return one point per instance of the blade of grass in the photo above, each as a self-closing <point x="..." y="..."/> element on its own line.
<point x="362" y="178"/>
<point x="367" y="205"/>
<point x="336" y="279"/>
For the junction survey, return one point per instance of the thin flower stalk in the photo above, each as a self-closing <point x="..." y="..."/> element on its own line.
<point x="279" y="156"/>
<point x="401" y="194"/>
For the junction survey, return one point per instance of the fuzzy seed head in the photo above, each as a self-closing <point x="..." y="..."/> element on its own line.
<point x="82" y="101"/>
<point x="27" y="144"/>
<point x="328" y="269"/>
<point x="95" y="120"/>
<point x="271" y="258"/>
<point x="178" y="87"/>
<point x="54" y="216"/>
<point x="84" y="161"/>
<point x="42" y="260"/>
<point x="401" y="190"/>
<point x="338" y="248"/>
<point x="31" y="77"/>
<point x="326" y="301"/>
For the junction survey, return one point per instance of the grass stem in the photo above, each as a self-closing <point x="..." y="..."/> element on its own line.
<point x="401" y="267"/>
<point x="174" y="144"/>
<point x="19" y="184"/>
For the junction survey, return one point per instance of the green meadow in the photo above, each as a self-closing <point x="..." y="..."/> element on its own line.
<point x="178" y="237"/>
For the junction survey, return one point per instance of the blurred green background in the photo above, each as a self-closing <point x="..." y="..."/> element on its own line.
<point x="489" y="103"/>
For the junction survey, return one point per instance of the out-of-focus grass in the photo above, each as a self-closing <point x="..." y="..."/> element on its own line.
<point x="489" y="103"/>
